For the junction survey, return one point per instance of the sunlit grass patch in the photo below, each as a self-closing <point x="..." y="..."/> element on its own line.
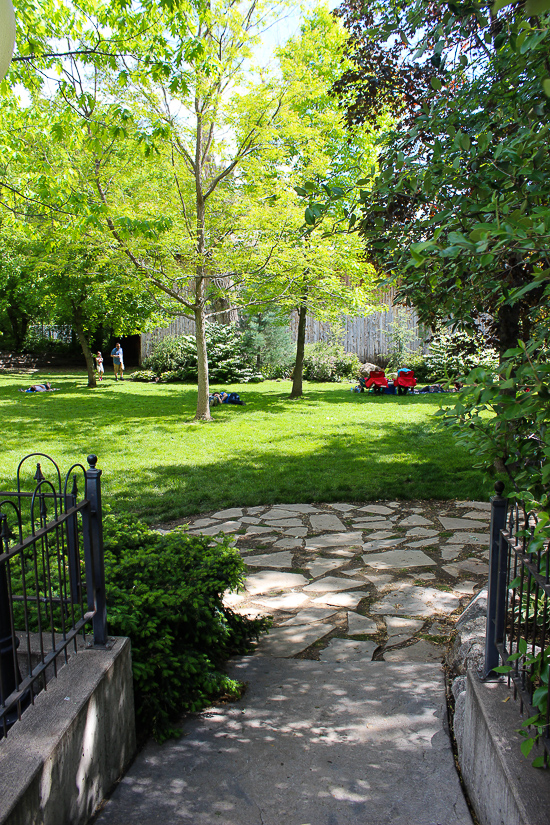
<point x="330" y="445"/>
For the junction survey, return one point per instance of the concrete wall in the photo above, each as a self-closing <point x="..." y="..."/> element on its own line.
<point x="60" y="760"/>
<point x="502" y="786"/>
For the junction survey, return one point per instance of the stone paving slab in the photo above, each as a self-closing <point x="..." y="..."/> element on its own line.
<point x="267" y="580"/>
<point x="310" y="743"/>
<point x="409" y="600"/>
<point x="311" y="614"/>
<point x="396" y="625"/>
<point x="358" y="624"/>
<point x="333" y="584"/>
<point x="377" y="508"/>
<point x="326" y="522"/>
<point x="257" y="529"/>
<point x="285" y="642"/>
<point x="279" y="513"/>
<point x="414" y="521"/>
<point x="347" y="650"/>
<point x="287" y="601"/>
<point x="285" y="522"/>
<point x="398" y="559"/>
<point x="420" y="652"/>
<point x="280" y="560"/>
<point x="351" y="539"/>
<point x="459" y="523"/>
<point x="382" y="544"/>
<point x="321" y="566"/>
<point x="232" y="512"/>
<point x="347" y="599"/>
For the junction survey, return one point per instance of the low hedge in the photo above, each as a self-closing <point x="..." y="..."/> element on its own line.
<point x="165" y="592"/>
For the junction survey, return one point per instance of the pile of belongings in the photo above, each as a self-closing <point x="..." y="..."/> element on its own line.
<point x="224" y="397"/>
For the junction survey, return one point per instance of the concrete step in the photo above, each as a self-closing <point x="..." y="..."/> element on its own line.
<point x="310" y="743"/>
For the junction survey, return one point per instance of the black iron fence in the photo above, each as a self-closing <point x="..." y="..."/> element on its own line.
<point x="52" y="581"/>
<point x="518" y="620"/>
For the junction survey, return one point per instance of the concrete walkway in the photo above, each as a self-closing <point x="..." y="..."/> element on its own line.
<point x="343" y="721"/>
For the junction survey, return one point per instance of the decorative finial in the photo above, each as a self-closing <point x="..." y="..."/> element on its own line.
<point x="499" y="487"/>
<point x="92" y="461"/>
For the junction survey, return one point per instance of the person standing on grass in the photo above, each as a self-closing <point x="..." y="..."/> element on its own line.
<point x="99" y="365"/>
<point x="118" y="363"/>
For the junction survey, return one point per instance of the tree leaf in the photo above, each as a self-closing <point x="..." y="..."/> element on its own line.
<point x="535" y="7"/>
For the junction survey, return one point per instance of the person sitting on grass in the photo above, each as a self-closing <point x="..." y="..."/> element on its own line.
<point x="47" y="387"/>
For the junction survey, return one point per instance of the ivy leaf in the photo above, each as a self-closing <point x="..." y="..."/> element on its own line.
<point x="535" y="7"/>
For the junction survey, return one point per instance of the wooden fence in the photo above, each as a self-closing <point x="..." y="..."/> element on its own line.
<point x="368" y="336"/>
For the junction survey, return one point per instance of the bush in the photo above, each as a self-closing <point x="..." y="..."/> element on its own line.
<point x="329" y="362"/>
<point x="39" y="344"/>
<point x="143" y="375"/>
<point x="165" y="593"/>
<point x="266" y="337"/>
<point x="453" y="354"/>
<point x="414" y="361"/>
<point x="175" y="357"/>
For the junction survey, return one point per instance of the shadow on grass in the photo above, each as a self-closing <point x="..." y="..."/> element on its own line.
<point x="341" y="469"/>
<point x="137" y="430"/>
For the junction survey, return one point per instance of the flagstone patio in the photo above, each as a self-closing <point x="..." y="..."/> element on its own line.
<point x="338" y="579"/>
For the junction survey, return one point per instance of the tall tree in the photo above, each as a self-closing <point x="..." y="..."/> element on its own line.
<point x="459" y="213"/>
<point x="314" y="272"/>
<point x="206" y="130"/>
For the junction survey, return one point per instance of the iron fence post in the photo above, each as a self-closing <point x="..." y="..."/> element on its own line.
<point x="496" y="597"/>
<point x="72" y="544"/>
<point x="10" y="677"/>
<point x="93" y="494"/>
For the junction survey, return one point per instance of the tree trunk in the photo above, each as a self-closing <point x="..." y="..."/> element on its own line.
<point x="203" y="407"/>
<point x="79" y="329"/>
<point x="508" y="326"/>
<point x="297" y="374"/>
<point x="19" y="323"/>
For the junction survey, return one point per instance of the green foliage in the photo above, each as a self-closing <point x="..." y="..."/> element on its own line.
<point x="502" y="418"/>
<point x="174" y="358"/>
<point x="401" y="338"/>
<point x="266" y="337"/>
<point x="329" y="362"/>
<point x="165" y="593"/>
<point x="536" y="667"/>
<point x="452" y="354"/>
<point x="414" y="361"/>
<point x="36" y="342"/>
<point x="143" y="375"/>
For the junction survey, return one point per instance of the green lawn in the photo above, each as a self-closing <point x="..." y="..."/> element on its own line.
<point x="331" y="445"/>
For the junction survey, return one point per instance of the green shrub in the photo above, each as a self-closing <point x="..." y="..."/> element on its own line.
<point x="143" y="375"/>
<point x="175" y="357"/>
<point x="414" y="361"/>
<point x="266" y="337"/>
<point x="329" y="362"/>
<point x="165" y="593"/>
<point x="454" y="354"/>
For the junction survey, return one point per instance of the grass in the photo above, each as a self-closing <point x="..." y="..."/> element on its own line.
<point x="330" y="445"/>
